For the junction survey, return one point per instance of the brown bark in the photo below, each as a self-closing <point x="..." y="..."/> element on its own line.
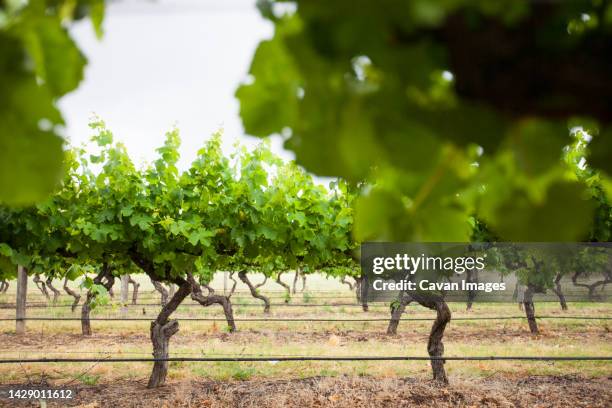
<point x="85" y="310"/>
<point x="135" y="286"/>
<point x="359" y="284"/>
<point x="358" y="289"/>
<point x="76" y="296"/>
<point x="435" y="346"/>
<point x="347" y="283"/>
<point x="56" y="293"/>
<point x="254" y="292"/>
<point x="211" y="299"/>
<point x="41" y="286"/>
<point x="472" y="277"/>
<point x="259" y="285"/>
<point x="284" y="285"/>
<point x="231" y="276"/>
<point x="4" y="285"/>
<point x="295" y="280"/>
<point x="559" y="292"/>
<point x="397" y="310"/>
<point x="105" y="278"/>
<point x="162" y="330"/>
<point x="530" y="310"/>
<point x="303" y="283"/>
<point x="162" y="290"/>
<point x="593" y="286"/>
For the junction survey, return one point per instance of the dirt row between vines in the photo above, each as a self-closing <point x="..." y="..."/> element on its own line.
<point x="340" y="392"/>
<point x="453" y="333"/>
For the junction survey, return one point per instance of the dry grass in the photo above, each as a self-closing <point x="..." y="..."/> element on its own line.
<point x="316" y="383"/>
<point x="498" y="391"/>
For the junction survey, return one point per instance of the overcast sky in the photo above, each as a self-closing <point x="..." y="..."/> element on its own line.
<point x="166" y="62"/>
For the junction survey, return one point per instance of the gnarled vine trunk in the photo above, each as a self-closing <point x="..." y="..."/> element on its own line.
<point x="471" y="277"/>
<point x="361" y="292"/>
<point x="559" y="292"/>
<point x="56" y="293"/>
<point x="397" y="310"/>
<point x="295" y="280"/>
<point x="593" y="286"/>
<point x="162" y="290"/>
<point x="254" y="292"/>
<point x="235" y="283"/>
<point x="435" y="346"/>
<point x="135" y="286"/>
<point x="530" y="310"/>
<point x="4" y="285"/>
<point x="162" y="329"/>
<point x="211" y="299"/>
<point x="284" y="285"/>
<point x="105" y="278"/>
<point x="347" y="283"/>
<point x="41" y="286"/>
<point x="76" y="296"/>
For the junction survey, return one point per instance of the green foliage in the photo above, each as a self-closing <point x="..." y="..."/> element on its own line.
<point x="247" y="211"/>
<point x="39" y="62"/>
<point x="410" y="101"/>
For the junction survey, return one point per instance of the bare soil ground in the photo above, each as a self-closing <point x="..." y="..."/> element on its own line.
<point x="344" y="391"/>
<point x="11" y="341"/>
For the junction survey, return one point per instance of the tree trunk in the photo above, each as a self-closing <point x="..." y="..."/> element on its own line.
<point x="254" y="292"/>
<point x="56" y="293"/>
<point x="530" y="310"/>
<point x="303" y="282"/>
<point x="364" y="305"/>
<point x="212" y="298"/>
<point x="162" y="330"/>
<point x="231" y="276"/>
<point x="72" y="293"/>
<point x="359" y="282"/>
<point x="105" y="272"/>
<point x="135" y="286"/>
<point x="4" y="285"/>
<point x="592" y="287"/>
<point x="397" y="311"/>
<point x="472" y="277"/>
<point x="41" y="286"/>
<point x="559" y="292"/>
<point x="295" y="280"/>
<point x="358" y="289"/>
<point x="85" y="310"/>
<point x="20" y="300"/>
<point x="125" y="288"/>
<point x="171" y="290"/>
<point x="162" y="290"/>
<point x="435" y="346"/>
<point x="284" y="285"/>
<point x="347" y="283"/>
<point x="259" y="285"/>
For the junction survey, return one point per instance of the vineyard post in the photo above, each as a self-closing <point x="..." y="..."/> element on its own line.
<point x="20" y="301"/>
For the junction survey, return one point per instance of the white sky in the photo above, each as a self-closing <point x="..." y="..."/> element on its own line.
<point x="162" y="63"/>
